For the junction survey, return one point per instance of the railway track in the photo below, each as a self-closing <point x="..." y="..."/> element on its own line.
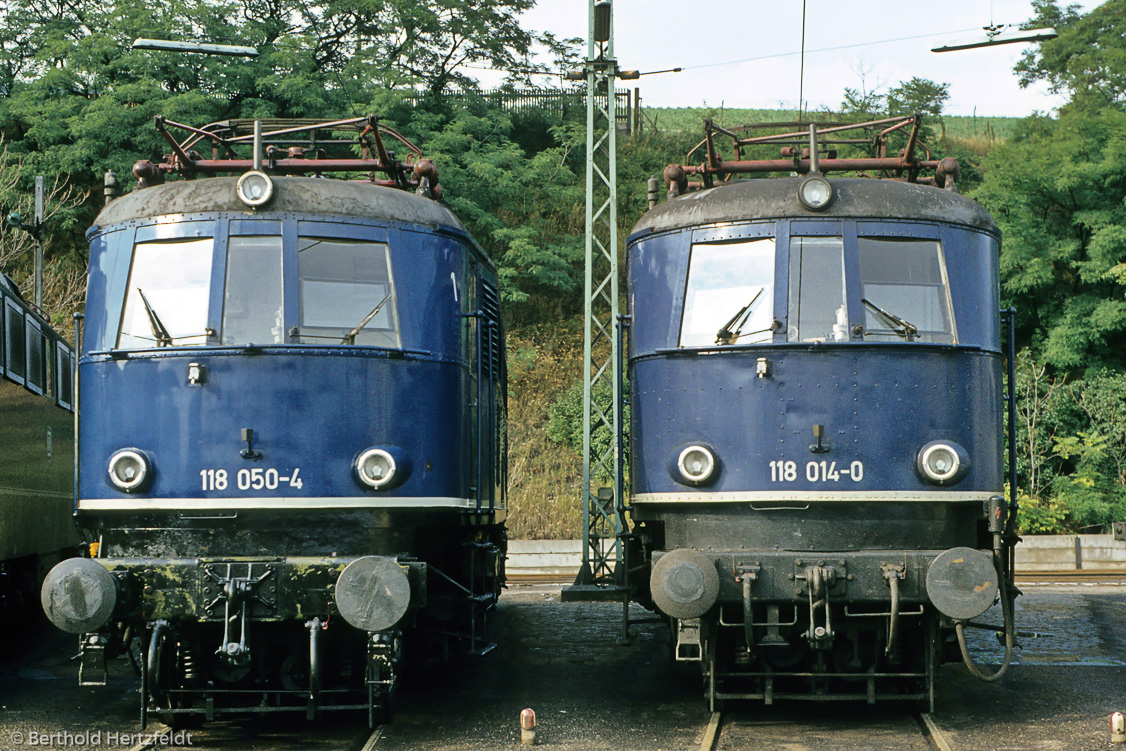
<point x="824" y="730"/>
<point x="1022" y="577"/>
<point x="1072" y="576"/>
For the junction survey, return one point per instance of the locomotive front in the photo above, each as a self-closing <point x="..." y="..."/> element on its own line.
<point x="291" y="455"/>
<point x="817" y="465"/>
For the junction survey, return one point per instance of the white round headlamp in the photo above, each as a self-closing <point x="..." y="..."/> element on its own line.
<point x="128" y="470"/>
<point x="376" y="468"/>
<point x="255" y="188"/>
<point x="815" y="192"/>
<point x="943" y="463"/>
<point x="696" y="464"/>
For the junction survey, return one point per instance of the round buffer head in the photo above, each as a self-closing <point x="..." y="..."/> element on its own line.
<point x="373" y="593"/>
<point x="684" y="583"/>
<point x="79" y="595"/>
<point x="962" y="582"/>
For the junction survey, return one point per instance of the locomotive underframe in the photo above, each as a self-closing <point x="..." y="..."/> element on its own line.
<point x="853" y="623"/>
<point x="223" y="633"/>
<point x="852" y="666"/>
<point x="824" y="626"/>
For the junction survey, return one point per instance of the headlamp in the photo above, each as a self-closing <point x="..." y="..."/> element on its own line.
<point x="376" y="468"/>
<point x="696" y="465"/>
<point x="129" y="470"/>
<point x="942" y="462"/>
<point x="815" y="192"/>
<point x="255" y="188"/>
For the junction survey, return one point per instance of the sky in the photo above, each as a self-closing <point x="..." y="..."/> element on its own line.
<point x="745" y="53"/>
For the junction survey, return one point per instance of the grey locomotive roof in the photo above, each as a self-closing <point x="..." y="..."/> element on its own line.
<point x="856" y="198"/>
<point x="305" y="195"/>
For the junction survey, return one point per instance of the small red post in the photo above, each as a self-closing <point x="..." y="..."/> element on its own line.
<point x="528" y="727"/>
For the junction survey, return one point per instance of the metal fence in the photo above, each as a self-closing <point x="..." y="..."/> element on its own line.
<point x="560" y="103"/>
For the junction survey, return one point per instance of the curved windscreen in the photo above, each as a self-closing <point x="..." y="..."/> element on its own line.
<point x="730" y="294"/>
<point x="346" y="293"/>
<point x="167" y="295"/>
<point x="904" y="291"/>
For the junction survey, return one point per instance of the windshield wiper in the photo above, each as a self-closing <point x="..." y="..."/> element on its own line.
<point x="727" y="334"/>
<point x="163" y="338"/>
<point x="350" y="337"/>
<point x="906" y="330"/>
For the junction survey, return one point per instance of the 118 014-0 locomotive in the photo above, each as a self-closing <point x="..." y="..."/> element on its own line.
<point x="817" y="401"/>
<point x="291" y="436"/>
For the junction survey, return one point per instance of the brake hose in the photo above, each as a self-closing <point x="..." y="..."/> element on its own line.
<point x="1007" y="611"/>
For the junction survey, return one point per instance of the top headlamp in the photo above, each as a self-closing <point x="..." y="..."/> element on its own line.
<point x="815" y="192"/>
<point x="255" y="188"/>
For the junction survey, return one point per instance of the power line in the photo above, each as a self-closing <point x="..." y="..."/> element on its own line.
<point x="801" y="72"/>
<point x="1095" y="13"/>
<point x="829" y="49"/>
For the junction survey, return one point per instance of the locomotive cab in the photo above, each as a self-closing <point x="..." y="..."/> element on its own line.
<point x="291" y="435"/>
<point x="816" y="386"/>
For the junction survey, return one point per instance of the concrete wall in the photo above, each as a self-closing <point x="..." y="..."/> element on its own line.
<point x="1035" y="553"/>
<point x="544" y="557"/>
<point x="1071" y="553"/>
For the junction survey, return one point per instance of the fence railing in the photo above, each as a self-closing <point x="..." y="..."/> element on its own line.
<point x="557" y="102"/>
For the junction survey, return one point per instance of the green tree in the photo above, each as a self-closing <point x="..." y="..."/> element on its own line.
<point x="1101" y="397"/>
<point x="867" y="104"/>
<point x="918" y="96"/>
<point x="1058" y="192"/>
<point x="75" y="98"/>
<point x="1087" y="60"/>
<point x="64" y="281"/>
<point x="525" y="208"/>
<point x="1038" y="394"/>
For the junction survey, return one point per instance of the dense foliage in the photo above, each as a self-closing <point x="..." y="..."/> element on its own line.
<point x="76" y="99"/>
<point x="1057" y="189"/>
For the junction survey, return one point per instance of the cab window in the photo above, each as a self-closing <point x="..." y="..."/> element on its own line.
<point x="904" y="291"/>
<point x="346" y="293"/>
<point x="730" y="294"/>
<point x="174" y="278"/>
<point x="817" y="310"/>
<point x="252" y="296"/>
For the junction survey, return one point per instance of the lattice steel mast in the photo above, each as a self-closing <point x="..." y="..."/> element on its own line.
<point x="602" y="515"/>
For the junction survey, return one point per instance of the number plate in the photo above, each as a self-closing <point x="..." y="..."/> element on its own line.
<point x="250" y="479"/>
<point x="816" y="471"/>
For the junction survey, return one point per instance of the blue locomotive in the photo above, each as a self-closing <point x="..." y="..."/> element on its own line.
<point x="817" y="402"/>
<point x="36" y="450"/>
<point x="292" y="448"/>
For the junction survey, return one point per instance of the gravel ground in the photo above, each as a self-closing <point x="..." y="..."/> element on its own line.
<point x="589" y="692"/>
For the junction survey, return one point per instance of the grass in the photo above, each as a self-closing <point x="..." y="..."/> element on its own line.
<point x="544" y="477"/>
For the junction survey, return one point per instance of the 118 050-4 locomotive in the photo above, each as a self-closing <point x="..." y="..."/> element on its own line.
<point x="292" y="446"/>
<point x="817" y="402"/>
